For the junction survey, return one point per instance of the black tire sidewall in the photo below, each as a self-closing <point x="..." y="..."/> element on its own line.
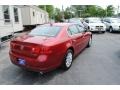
<point x="111" y="29"/>
<point x="90" y="40"/>
<point x="64" y="61"/>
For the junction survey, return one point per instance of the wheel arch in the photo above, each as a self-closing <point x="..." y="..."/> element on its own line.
<point x="71" y="48"/>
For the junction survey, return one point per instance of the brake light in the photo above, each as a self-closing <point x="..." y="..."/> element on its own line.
<point x="36" y="50"/>
<point x="46" y="50"/>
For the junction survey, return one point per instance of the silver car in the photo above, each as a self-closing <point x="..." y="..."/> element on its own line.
<point x="95" y="24"/>
<point x="112" y="24"/>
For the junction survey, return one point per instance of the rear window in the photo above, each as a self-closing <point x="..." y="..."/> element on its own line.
<point x="49" y="31"/>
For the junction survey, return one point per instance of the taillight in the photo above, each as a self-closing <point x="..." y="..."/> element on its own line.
<point x="41" y="50"/>
<point x="46" y="50"/>
<point x="36" y="50"/>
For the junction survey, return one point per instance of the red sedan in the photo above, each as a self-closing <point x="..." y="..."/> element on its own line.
<point x="49" y="46"/>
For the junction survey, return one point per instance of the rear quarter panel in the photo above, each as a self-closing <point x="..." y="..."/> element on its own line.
<point x="59" y="47"/>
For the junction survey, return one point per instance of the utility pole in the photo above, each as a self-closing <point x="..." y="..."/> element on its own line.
<point x="62" y="13"/>
<point x="80" y="13"/>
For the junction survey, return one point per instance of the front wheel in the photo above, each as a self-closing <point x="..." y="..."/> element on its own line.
<point x="90" y="42"/>
<point x="0" y="43"/>
<point x="68" y="59"/>
<point x="111" y="29"/>
<point x="103" y="31"/>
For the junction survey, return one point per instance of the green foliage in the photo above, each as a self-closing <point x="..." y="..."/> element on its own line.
<point x="110" y="10"/>
<point x="92" y="11"/>
<point x="49" y="9"/>
<point x="58" y="15"/>
<point x="77" y="11"/>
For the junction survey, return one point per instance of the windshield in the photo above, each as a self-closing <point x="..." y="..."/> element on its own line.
<point x="115" y="20"/>
<point x="49" y="31"/>
<point x="95" y="20"/>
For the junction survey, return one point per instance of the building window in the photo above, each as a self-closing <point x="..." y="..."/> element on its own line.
<point x="33" y="13"/>
<point x="6" y="13"/>
<point x="16" y="14"/>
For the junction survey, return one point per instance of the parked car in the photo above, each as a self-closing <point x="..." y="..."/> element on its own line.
<point x="49" y="46"/>
<point x="112" y="24"/>
<point x="77" y="21"/>
<point x="94" y="24"/>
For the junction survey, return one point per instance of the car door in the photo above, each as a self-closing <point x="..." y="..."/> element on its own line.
<point x="76" y="38"/>
<point x="84" y="37"/>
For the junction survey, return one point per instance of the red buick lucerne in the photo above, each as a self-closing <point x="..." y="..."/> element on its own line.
<point x="49" y="46"/>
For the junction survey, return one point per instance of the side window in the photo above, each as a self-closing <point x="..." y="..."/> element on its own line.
<point x="16" y="14"/>
<point x="6" y="13"/>
<point x="80" y="28"/>
<point x="87" y="21"/>
<point x="73" y="30"/>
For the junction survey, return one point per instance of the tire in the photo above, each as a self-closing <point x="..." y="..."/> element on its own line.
<point x="88" y="28"/>
<point x="103" y="31"/>
<point x="110" y="29"/>
<point x="0" y="43"/>
<point x="89" y="43"/>
<point x="68" y="59"/>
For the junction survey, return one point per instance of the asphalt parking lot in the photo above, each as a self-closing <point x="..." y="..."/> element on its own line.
<point x="97" y="65"/>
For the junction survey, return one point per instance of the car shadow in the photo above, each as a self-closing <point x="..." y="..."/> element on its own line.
<point x="99" y="33"/>
<point x="17" y="76"/>
<point x="118" y="54"/>
<point x="115" y="32"/>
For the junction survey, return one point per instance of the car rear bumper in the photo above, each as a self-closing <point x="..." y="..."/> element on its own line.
<point x="39" y="64"/>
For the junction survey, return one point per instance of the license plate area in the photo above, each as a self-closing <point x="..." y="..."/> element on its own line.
<point x="21" y="62"/>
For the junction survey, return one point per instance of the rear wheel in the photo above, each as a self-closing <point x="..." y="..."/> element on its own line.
<point x="68" y="59"/>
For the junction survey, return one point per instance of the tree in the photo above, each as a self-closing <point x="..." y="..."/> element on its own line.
<point x="58" y="15"/>
<point x="110" y="10"/>
<point x="49" y="9"/>
<point x="68" y="13"/>
<point x="100" y="12"/>
<point x="92" y="11"/>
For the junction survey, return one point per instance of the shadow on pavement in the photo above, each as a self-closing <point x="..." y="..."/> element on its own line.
<point x="18" y="76"/>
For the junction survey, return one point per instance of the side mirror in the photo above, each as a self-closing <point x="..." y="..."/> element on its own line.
<point x="85" y="29"/>
<point x="87" y="21"/>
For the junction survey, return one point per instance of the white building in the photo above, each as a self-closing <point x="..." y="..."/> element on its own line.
<point x="32" y="15"/>
<point x="14" y="17"/>
<point x="10" y="20"/>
